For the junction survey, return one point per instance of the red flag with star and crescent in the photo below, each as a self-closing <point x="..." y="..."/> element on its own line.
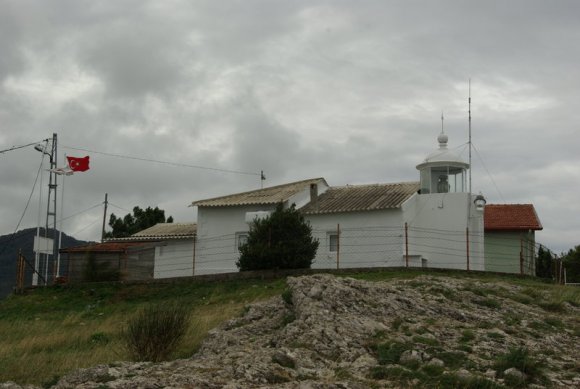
<point x="78" y="164"/>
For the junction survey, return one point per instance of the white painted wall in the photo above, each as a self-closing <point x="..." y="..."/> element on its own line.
<point x="174" y="258"/>
<point x="437" y="230"/>
<point x="216" y="245"/>
<point x="367" y="239"/>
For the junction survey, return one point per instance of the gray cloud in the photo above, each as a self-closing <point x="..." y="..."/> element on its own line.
<point x="349" y="91"/>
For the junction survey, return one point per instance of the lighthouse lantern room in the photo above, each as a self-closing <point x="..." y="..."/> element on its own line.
<point x="443" y="171"/>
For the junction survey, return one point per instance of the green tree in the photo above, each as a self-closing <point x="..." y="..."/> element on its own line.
<point x="281" y="241"/>
<point x="544" y="263"/>
<point x="572" y="264"/>
<point x="138" y="221"/>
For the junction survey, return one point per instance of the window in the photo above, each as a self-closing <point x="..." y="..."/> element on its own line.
<point x="241" y="239"/>
<point x="333" y="242"/>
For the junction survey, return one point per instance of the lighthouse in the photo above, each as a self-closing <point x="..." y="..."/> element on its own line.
<point x="444" y="216"/>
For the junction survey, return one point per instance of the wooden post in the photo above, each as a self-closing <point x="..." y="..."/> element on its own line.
<point x="20" y="272"/>
<point x="193" y="264"/>
<point x="467" y="243"/>
<point x="338" y="246"/>
<point x="104" y="217"/>
<point x="521" y="255"/>
<point x="406" y="244"/>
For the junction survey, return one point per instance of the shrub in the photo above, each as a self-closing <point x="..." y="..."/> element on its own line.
<point x="388" y="353"/>
<point x="281" y="241"/>
<point x="521" y="359"/>
<point x="155" y="332"/>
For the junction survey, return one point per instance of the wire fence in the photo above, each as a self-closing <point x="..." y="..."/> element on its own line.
<point x="339" y="248"/>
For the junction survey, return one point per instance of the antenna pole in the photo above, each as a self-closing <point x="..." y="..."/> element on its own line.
<point x="469" y="104"/>
<point x="104" y="216"/>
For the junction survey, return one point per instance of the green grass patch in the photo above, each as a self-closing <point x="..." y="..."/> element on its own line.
<point x="495" y="336"/>
<point x="488" y="303"/>
<point x="390" y="352"/>
<point x="553" y="306"/>
<point x="452" y="359"/>
<point x="521" y="359"/>
<point x="425" y="340"/>
<point x="467" y="336"/>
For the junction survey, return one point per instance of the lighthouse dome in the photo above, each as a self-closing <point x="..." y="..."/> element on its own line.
<point x="443" y="170"/>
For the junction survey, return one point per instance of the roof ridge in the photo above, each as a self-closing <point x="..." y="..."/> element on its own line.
<point x="375" y="184"/>
<point x="260" y="190"/>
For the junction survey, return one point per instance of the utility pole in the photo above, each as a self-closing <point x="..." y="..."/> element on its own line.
<point x="51" y="205"/>
<point x="104" y="217"/>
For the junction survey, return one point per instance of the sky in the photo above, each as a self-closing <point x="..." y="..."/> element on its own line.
<point x="218" y="91"/>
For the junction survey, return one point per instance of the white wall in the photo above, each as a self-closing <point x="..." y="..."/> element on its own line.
<point x="216" y="245"/>
<point x="367" y="239"/>
<point x="174" y="258"/>
<point x="437" y="230"/>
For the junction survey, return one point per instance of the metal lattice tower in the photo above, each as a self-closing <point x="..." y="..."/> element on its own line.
<point x="51" y="207"/>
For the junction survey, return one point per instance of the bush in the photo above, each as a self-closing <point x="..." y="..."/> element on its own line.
<point x="282" y="241"/>
<point x="521" y="359"/>
<point x="155" y="332"/>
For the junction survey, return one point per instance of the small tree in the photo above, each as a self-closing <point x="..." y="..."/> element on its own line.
<point x="572" y="264"/>
<point x="138" y="221"/>
<point x="281" y="241"/>
<point x="544" y="263"/>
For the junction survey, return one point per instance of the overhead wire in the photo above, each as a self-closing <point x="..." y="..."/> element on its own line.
<point x="21" y="147"/>
<point x="26" y="207"/>
<point x="488" y="173"/>
<point x="163" y="162"/>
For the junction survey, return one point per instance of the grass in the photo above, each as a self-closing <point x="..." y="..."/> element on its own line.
<point x="521" y="359"/>
<point x="50" y="331"/>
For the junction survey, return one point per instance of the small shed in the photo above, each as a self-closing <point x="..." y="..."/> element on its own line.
<point x="510" y="242"/>
<point x="110" y="261"/>
<point x="165" y="250"/>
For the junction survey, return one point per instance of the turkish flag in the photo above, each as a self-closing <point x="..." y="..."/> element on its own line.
<point x="78" y="164"/>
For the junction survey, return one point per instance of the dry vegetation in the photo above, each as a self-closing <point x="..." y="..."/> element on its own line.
<point x="51" y="331"/>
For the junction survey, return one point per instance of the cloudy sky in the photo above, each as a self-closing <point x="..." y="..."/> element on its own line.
<point x="349" y="91"/>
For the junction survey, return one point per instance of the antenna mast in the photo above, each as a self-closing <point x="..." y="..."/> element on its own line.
<point x="469" y="105"/>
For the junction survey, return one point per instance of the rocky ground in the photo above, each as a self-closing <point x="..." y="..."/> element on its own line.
<point x="331" y="332"/>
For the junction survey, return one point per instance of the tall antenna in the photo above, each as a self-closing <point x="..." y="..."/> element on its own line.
<point x="442" y="131"/>
<point x="469" y="105"/>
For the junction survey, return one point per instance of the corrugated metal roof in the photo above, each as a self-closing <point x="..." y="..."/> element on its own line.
<point x="169" y="230"/>
<point x="511" y="217"/>
<point x="271" y="195"/>
<point x="161" y="231"/>
<point x="353" y="198"/>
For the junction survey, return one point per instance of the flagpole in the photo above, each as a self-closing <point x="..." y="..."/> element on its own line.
<point x="61" y="222"/>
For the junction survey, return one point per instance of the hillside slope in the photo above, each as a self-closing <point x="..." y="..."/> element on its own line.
<point x="332" y="332"/>
<point x="23" y="240"/>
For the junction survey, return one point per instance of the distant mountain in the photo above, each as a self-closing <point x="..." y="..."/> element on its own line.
<point x="24" y="240"/>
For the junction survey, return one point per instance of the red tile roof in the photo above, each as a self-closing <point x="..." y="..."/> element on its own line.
<point x="511" y="217"/>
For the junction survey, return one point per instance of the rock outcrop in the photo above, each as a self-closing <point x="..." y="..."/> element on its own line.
<point x="332" y="332"/>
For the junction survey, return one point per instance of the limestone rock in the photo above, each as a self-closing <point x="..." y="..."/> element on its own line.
<point x="330" y="335"/>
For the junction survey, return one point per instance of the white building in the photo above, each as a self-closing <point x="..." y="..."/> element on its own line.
<point x="432" y="223"/>
<point x="165" y="250"/>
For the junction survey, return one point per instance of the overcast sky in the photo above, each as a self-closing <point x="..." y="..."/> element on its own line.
<point x="351" y="91"/>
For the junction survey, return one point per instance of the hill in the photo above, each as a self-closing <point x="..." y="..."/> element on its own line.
<point x="22" y="240"/>
<point x="403" y="329"/>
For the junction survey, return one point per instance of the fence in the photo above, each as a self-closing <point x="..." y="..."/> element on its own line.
<point x="383" y="246"/>
<point x="344" y="248"/>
